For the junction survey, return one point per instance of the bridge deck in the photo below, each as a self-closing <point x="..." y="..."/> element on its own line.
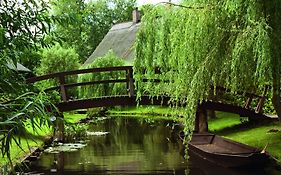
<point x="243" y="112"/>
<point x="123" y="100"/>
<point x="126" y="100"/>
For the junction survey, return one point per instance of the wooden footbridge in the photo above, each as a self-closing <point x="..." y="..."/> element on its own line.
<point x="68" y="104"/>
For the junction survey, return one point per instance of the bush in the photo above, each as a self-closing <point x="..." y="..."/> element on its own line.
<point x="109" y="60"/>
<point x="58" y="59"/>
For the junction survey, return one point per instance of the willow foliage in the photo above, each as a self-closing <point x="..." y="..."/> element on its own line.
<point x="109" y="60"/>
<point x="235" y="44"/>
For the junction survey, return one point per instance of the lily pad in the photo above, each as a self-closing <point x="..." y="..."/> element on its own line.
<point x="66" y="147"/>
<point x="98" y="133"/>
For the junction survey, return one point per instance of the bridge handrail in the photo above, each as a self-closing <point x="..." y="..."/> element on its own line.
<point x="63" y="86"/>
<point x="76" y="72"/>
<point x="69" y="85"/>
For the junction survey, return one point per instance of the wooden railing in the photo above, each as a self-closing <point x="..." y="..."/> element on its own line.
<point x="249" y="98"/>
<point x="64" y="86"/>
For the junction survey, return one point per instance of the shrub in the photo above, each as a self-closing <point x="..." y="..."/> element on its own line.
<point x="109" y="60"/>
<point x="58" y="59"/>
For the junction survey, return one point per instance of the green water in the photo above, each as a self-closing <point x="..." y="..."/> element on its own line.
<point x="132" y="146"/>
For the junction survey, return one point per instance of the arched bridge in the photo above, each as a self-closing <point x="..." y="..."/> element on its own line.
<point x="67" y="103"/>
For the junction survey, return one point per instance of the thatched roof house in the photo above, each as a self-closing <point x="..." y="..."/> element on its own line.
<point x="120" y="39"/>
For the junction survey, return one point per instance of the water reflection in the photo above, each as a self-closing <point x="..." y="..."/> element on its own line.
<point x="133" y="146"/>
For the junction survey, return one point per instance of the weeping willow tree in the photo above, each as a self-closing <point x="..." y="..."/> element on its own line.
<point x="204" y="43"/>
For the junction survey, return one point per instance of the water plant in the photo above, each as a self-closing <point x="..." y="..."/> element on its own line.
<point x="74" y="132"/>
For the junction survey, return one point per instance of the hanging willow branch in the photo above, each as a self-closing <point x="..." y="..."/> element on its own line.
<point x="183" y="6"/>
<point x="193" y="52"/>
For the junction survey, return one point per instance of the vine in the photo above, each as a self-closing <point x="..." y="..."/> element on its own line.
<point x="229" y="44"/>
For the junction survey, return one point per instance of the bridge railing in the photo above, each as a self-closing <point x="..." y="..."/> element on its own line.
<point x="249" y="98"/>
<point x="63" y="86"/>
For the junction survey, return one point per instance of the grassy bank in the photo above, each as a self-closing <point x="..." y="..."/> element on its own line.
<point x="35" y="140"/>
<point x="262" y="135"/>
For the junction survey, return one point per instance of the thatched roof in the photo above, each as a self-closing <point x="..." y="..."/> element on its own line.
<point x="120" y="39"/>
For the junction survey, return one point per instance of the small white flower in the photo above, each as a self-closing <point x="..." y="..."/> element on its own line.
<point x="53" y="118"/>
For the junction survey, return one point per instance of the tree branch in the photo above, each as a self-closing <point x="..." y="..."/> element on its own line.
<point x="183" y="6"/>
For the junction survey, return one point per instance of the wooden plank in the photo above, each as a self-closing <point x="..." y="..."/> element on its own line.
<point x="260" y="105"/>
<point x="262" y="101"/>
<point x="127" y="82"/>
<point x="248" y="102"/>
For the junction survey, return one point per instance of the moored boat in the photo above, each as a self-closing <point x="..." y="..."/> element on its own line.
<point x="225" y="152"/>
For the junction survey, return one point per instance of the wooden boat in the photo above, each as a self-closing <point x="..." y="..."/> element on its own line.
<point x="225" y="152"/>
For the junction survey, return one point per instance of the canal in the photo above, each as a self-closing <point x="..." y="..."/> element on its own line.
<point x="131" y="146"/>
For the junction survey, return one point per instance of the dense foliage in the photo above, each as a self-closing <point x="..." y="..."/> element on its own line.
<point x="23" y="25"/>
<point x="109" y="60"/>
<point x="58" y="59"/>
<point x="88" y="22"/>
<point x="204" y="43"/>
<point x="22" y="28"/>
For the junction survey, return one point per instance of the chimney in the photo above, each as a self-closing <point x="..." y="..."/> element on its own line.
<point x="136" y="16"/>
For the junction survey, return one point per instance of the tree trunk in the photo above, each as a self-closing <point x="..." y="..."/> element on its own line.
<point x="211" y="114"/>
<point x="277" y="105"/>
<point x="201" y="121"/>
<point x="276" y="91"/>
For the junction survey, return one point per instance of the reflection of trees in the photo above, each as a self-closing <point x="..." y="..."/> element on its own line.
<point x="132" y="145"/>
<point x="153" y="142"/>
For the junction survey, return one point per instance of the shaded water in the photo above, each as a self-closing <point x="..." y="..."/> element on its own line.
<point x="131" y="147"/>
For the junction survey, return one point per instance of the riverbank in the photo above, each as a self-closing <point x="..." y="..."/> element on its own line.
<point x="35" y="140"/>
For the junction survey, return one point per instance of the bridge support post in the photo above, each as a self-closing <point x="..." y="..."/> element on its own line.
<point x="261" y="101"/>
<point x="130" y="82"/>
<point x="201" y="120"/>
